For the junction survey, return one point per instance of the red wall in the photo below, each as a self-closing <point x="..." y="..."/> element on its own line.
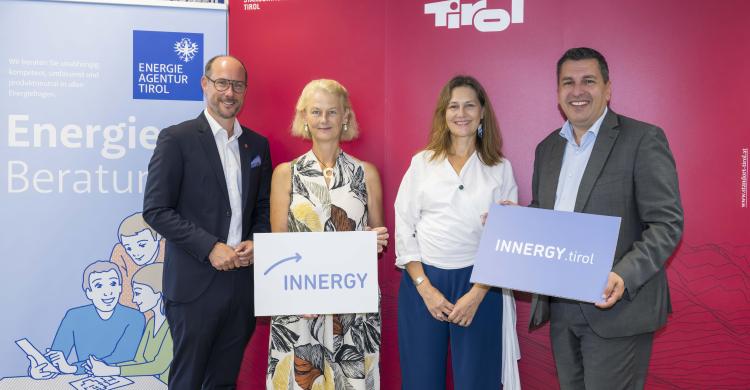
<point x="680" y="64"/>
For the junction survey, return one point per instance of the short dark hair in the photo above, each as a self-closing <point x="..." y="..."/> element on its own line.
<point x="584" y="53"/>
<point x="207" y="70"/>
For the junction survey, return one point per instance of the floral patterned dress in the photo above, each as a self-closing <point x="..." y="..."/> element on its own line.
<point x="330" y="352"/>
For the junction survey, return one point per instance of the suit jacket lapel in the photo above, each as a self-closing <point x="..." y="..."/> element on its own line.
<point x="245" y="161"/>
<point x="549" y="180"/>
<point x="207" y="141"/>
<point x="605" y="140"/>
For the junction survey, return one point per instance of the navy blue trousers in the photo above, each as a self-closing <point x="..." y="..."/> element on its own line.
<point x="476" y="351"/>
<point x="211" y="332"/>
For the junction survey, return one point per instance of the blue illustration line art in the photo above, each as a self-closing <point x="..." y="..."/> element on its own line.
<point x="296" y="259"/>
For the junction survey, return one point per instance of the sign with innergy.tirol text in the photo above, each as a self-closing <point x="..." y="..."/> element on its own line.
<point x="556" y="253"/>
<point x="315" y="273"/>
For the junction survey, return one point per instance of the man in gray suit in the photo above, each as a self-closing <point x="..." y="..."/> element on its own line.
<point x="604" y="163"/>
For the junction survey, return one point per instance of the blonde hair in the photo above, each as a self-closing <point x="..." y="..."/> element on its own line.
<point x="151" y="275"/>
<point x="489" y="146"/>
<point x="133" y="225"/>
<point x="334" y="88"/>
<point x="99" y="267"/>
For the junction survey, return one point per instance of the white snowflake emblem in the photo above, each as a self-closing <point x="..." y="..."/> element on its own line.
<point x="186" y="49"/>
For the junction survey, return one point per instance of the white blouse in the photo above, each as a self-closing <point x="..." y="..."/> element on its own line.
<point x="438" y="213"/>
<point x="438" y="222"/>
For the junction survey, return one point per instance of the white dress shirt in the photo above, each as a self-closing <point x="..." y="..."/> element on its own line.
<point x="438" y="212"/>
<point x="229" y="153"/>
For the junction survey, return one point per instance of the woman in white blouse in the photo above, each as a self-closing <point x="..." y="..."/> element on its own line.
<point x="445" y="192"/>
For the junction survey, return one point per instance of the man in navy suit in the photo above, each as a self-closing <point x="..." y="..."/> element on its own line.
<point x="207" y="193"/>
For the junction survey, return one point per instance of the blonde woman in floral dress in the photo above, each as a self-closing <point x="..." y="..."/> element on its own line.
<point x="325" y="189"/>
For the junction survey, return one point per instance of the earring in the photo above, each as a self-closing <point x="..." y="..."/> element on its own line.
<point x="346" y="127"/>
<point x="307" y="129"/>
<point x="480" y="130"/>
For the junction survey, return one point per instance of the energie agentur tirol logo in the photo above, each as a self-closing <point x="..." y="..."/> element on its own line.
<point x="167" y="65"/>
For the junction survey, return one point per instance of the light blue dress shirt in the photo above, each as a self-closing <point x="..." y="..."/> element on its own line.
<point x="574" y="163"/>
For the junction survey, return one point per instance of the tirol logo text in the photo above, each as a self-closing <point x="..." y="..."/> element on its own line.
<point x="453" y="14"/>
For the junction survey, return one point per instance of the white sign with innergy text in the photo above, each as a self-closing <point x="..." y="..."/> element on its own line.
<point x="315" y="273"/>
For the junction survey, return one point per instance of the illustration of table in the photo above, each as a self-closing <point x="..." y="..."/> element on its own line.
<point x="62" y="382"/>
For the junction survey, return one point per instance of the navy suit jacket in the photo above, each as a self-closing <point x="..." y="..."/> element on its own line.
<point x="186" y="201"/>
<point x="631" y="174"/>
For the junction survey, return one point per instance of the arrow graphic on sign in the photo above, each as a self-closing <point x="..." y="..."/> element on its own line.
<point x="296" y="259"/>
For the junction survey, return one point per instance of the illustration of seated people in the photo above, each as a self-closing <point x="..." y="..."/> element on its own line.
<point x="138" y="245"/>
<point x="104" y="329"/>
<point x="154" y="354"/>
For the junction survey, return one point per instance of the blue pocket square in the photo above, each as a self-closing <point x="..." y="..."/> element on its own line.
<point x="255" y="162"/>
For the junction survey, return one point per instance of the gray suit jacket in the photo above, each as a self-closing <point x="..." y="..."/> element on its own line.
<point x="631" y="174"/>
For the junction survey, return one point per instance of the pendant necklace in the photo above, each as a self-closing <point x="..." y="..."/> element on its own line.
<point x="327" y="171"/>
